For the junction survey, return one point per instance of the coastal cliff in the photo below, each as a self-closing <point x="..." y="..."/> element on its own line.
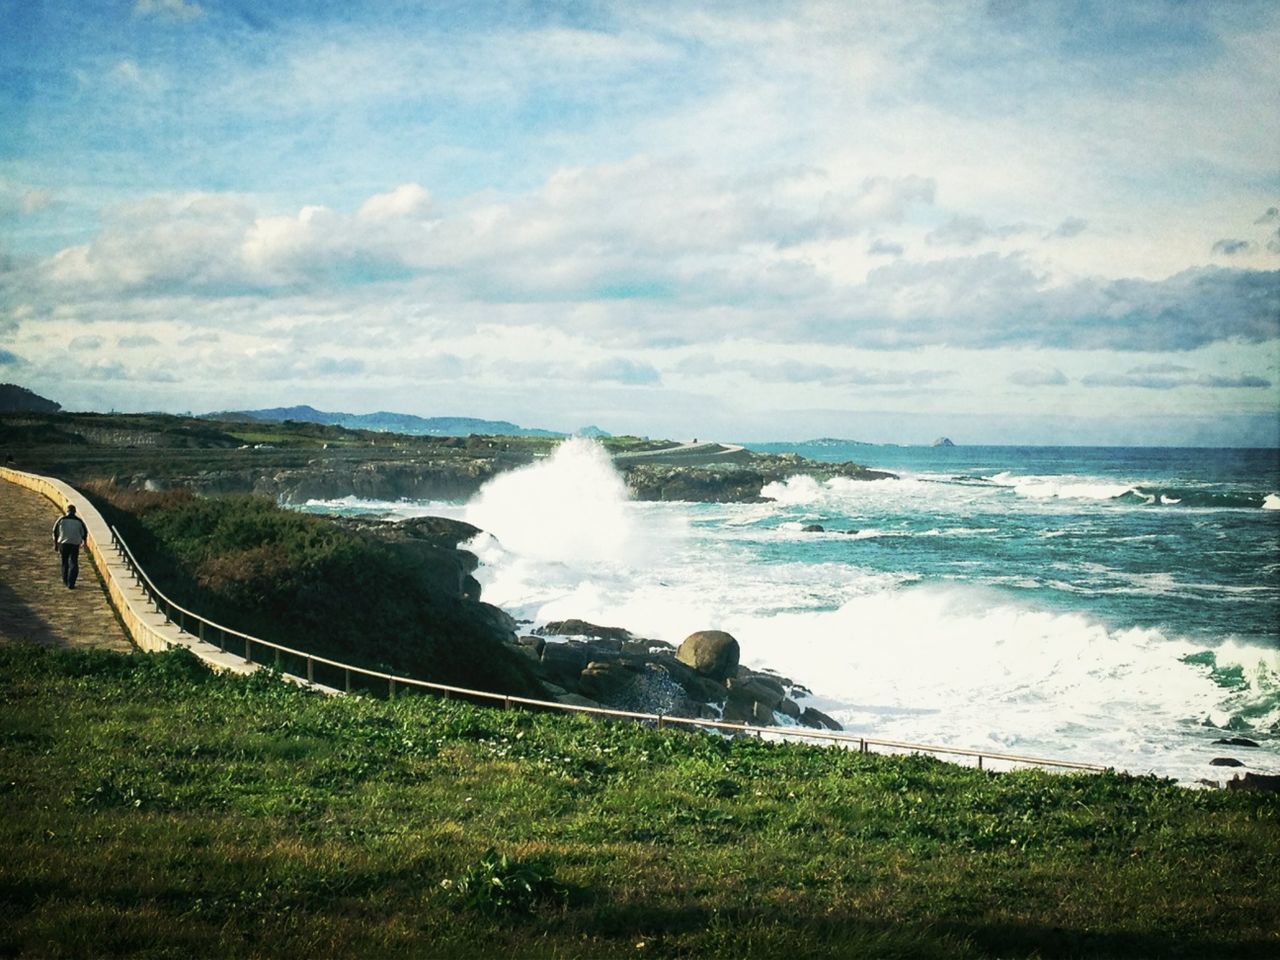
<point x="295" y="462"/>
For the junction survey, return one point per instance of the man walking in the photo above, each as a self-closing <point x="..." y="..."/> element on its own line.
<point x="69" y="534"/>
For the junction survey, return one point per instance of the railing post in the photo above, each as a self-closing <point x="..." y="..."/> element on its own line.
<point x="662" y="721"/>
<point x="201" y="627"/>
<point x="391" y="688"/>
<point x="979" y="761"/>
<point x="862" y="745"/>
<point x="310" y="673"/>
<point x="347" y="673"/>
<point x="248" y="650"/>
<point x="222" y="640"/>
<point x="277" y="660"/>
<point x="506" y="703"/>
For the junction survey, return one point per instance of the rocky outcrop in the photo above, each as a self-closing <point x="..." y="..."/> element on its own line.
<point x="723" y="483"/>
<point x="431" y="545"/>
<point x="610" y="667"/>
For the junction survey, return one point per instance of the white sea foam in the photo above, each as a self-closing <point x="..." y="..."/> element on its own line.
<point x="888" y="655"/>
<point x="1062" y="487"/>
<point x="1271" y="501"/>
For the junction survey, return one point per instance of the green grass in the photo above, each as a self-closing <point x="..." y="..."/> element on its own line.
<point x="154" y="809"/>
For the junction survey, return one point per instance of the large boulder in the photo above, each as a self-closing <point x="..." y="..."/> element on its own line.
<point x="713" y="653"/>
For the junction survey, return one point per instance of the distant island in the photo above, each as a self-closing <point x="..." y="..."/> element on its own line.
<point x="943" y="442"/>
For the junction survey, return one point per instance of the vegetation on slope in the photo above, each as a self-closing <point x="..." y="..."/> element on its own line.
<point x="154" y="809"/>
<point x="313" y="584"/>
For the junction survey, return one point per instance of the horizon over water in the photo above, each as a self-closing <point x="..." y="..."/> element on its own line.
<point x="1108" y="605"/>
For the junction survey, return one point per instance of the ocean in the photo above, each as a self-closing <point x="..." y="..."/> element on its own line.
<point x="1111" y="606"/>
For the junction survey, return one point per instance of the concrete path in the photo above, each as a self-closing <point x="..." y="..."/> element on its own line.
<point x="687" y="454"/>
<point x="34" y="605"/>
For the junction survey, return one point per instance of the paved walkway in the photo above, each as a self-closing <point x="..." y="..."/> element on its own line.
<point x="34" y="605"/>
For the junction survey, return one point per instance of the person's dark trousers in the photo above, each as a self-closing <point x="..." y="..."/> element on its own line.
<point x="70" y="562"/>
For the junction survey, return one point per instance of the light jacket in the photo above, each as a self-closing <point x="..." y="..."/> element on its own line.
<point x="70" y="530"/>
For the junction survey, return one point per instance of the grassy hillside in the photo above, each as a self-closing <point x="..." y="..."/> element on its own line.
<point x="310" y="583"/>
<point x="152" y="809"/>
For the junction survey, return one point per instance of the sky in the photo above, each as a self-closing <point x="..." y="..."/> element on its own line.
<point x="1003" y="222"/>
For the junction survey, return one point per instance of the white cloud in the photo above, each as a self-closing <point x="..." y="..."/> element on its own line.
<point x="406" y="200"/>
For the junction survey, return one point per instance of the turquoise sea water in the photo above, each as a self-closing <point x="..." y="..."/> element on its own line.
<point x="1170" y="538"/>
<point x="1118" y="606"/>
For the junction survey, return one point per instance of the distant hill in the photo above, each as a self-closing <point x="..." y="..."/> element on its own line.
<point x="16" y="399"/>
<point x="387" y="422"/>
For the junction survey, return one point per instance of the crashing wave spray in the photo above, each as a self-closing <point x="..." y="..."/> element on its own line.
<point x="571" y="507"/>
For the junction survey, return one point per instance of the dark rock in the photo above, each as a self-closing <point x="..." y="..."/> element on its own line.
<point x="563" y="663"/>
<point x="604" y="681"/>
<point x="581" y="628"/>
<point x="537" y="643"/>
<point x="760" y="689"/>
<point x="789" y="708"/>
<point x="1268" y="783"/>
<point x="1237" y="741"/>
<point x="747" y="711"/>
<point x="713" y="653"/>
<point x="642" y="647"/>
<point x="496" y="621"/>
<point x="527" y="651"/>
<point x="700" y="688"/>
<point x="771" y="680"/>
<point x="1225" y="762"/>
<point x="814" y="528"/>
<point x="818" y="720"/>
<point x="438" y="531"/>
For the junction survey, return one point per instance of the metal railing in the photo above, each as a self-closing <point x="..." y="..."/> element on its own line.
<point x="246" y="646"/>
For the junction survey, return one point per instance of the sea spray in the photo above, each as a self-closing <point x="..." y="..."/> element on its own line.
<point x="1058" y="619"/>
<point x="563" y="528"/>
<point x="570" y="507"/>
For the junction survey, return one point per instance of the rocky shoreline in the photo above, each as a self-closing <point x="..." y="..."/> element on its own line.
<point x="586" y="664"/>
<point x="462" y="478"/>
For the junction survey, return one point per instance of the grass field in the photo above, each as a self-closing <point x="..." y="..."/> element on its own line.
<point x="154" y="809"/>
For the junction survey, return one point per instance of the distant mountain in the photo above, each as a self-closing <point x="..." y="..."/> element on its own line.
<point x="14" y="398"/>
<point x="594" y="432"/>
<point x="387" y="422"/>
